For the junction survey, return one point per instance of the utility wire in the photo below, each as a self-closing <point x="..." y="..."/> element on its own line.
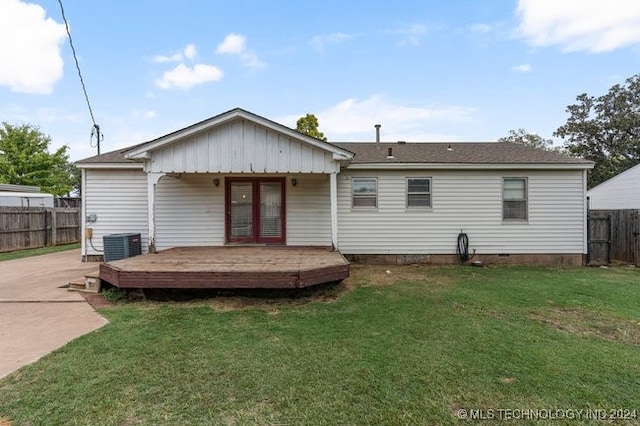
<point x="96" y="128"/>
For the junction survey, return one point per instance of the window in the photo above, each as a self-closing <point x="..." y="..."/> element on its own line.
<point x="419" y="192"/>
<point x="514" y="199"/>
<point x="364" y="192"/>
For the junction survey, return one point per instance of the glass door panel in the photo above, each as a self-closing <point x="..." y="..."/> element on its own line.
<point x="270" y="209"/>
<point x="241" y="205"/>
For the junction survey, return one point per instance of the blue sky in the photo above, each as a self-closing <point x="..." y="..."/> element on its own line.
<point x="457" y="70"/>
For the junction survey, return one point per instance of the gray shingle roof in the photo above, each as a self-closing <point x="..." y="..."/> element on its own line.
<point x="460" y="153"/>
<point x="430" y="152"/>
<point x="117" y="156"/>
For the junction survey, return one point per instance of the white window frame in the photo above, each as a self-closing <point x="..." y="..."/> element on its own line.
<point x="525" y="199"/>
<point x="355" y="196"/>
<point x="429" y="193"/>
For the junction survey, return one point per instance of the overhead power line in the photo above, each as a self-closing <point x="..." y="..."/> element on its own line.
<point x="95" y="131"/>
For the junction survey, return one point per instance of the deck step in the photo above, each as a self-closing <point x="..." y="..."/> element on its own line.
<point x="90" y="283"/>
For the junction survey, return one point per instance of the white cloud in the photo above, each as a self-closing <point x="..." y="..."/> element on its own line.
<point x="522" y="68"/>
<point x="319" y="42"/>
<point x="145" y="113"/>
<point x="189" y="52"/>
<point x="176" y="57"/>
<point x="233" y="44"/>
<point x="352" y="120"/>
<point x="30" y="45"/>
<point x="184" y="77"/>
<point x="580" y="25"/>
<point x="482" y="28"/>
<point x="412" y="34"/>
<point x="236" y="44"/>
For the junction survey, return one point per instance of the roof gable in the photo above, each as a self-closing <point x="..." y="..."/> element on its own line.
<point x="217" y="121"/>
<point x="631" y="174"/>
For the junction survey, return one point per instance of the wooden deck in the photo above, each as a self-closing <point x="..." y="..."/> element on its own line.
<point x="228" y="267"/>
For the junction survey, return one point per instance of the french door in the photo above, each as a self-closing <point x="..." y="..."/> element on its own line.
<point x="255" y="210"/>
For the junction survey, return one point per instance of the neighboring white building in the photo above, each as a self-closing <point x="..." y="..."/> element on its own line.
<point x="25" y="199"/>
<point x="620" y="192"/>
<point x="238" y="178"/>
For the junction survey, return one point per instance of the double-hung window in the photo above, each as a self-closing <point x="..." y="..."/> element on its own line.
<point x="514" y="198"/>
<point x="419" y="192"/>
<point x="364" y="192"/>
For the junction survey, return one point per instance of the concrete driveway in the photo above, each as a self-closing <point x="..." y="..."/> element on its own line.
<point x="36" y="315"/>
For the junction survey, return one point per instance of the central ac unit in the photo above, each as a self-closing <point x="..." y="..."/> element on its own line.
<point x="121" y="246"/>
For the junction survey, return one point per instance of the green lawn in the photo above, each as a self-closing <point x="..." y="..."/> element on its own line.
<point x="413" y="346"/>
<point x="19" y="254"/>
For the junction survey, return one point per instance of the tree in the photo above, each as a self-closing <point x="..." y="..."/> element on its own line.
<point x="309" y="126"/>
<point x="606" y="130"/>
<point x="522" y="137"/>
<point x="25" y="160"/>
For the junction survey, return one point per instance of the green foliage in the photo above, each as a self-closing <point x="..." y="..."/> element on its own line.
<point x="114" y="294"/>
<point x="522" y="137"/>
<point x="309" y="126"/>
<point x="606" y="130"/>
<point x="25" y="160"/>
<point x="19" y="254"/>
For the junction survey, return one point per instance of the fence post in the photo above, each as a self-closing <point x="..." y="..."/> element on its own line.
<point x="45" y="212"/>
<point x="54" y="227"/>
<point x="609" y="238"/>
<point x="636" y="237"/>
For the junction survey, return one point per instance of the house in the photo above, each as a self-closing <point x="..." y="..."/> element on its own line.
<point x="620" y="192"/>
<point x="239" y="178"/>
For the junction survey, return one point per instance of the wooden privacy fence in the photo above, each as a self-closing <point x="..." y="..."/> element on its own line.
<point x="613" y="236"/>
<point x="34" y="227"/>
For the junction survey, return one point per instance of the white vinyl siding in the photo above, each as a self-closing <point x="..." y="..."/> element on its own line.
<point x="308" y="211"/>
<point x="419" y="192"/>
<point x="467" y="201"/>
<point x="189" y="211"/>
<point x="118" y="198"/>
<point x="619" y="192"/>
<point x="241" y="147"/>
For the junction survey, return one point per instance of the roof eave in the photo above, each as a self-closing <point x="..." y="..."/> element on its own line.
<point x="468" y="166"/>
<point x="128" y="165"/>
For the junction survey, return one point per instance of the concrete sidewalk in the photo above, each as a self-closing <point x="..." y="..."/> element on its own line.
<point x="36" y="315"/>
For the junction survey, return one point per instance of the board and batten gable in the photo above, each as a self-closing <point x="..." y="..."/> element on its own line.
<point x="190" y="211"/>
<point x="240" y="146"/>
<point x="619" y="192"/>
<point x="118" y="198"/>
<point x="468" y="201"/>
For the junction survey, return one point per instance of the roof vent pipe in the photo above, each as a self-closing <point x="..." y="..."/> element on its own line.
<point x="390" y="154"/>
<point x="377" y="126"/>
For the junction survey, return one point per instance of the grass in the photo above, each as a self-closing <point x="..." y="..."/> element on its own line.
<point x="412" y="346"/>
<point x="19" y="254"/>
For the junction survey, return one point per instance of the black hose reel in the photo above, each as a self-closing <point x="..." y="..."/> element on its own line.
<point x="463" y="248"/>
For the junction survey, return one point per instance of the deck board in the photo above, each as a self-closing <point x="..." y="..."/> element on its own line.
<point x="228" y="267"/>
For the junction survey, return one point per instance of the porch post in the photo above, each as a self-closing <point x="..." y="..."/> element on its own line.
<point x="333" y="186"/>
<point x="152" y="181"/>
